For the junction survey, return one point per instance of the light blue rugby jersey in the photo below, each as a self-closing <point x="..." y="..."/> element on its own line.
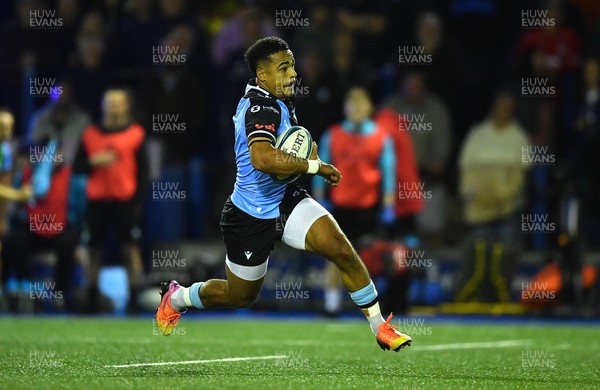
<point x="259" y="115"/>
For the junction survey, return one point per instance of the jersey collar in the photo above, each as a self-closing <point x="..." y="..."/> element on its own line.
<point x="253" y="86"/>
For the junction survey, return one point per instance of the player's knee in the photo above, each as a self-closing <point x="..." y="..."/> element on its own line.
<point x="342" y="251"/>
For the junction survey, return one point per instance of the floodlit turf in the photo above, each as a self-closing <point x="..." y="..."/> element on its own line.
<point x="46" y="353"/>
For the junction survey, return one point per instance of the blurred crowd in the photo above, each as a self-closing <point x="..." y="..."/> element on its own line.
<point x="502" y="106"/>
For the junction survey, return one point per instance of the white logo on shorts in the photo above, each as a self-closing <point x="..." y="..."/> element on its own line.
<point x="248" y="254"/>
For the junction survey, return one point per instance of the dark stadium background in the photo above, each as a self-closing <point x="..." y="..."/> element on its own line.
<point x="484" y="48"/>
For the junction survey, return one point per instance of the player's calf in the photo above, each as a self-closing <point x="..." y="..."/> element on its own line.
<point x="326" y="239"/>
<point x="215" y="293"/>
<point x="219" y="294"/>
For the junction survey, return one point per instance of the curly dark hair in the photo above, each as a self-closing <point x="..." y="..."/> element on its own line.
<point x="262" y="49"/>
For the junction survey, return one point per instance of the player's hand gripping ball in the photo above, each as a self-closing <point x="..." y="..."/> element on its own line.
<point x="296" y="141"/>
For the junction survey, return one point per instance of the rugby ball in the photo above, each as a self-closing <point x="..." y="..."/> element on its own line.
<point x="296" y="141"/>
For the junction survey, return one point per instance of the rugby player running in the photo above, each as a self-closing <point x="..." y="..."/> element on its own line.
<point x="258" y="207"/>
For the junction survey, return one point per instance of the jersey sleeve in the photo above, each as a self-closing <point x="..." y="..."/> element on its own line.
<point x="262" y="120"/>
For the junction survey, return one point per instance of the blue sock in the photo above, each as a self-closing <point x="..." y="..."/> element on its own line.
<point x="366" y="299"/>
<point x="366" y="296"/>
<point x="195" y="295"/>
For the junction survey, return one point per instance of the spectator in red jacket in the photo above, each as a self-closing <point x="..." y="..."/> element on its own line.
<point x="46" y="227"/>
<point x="113" y="157"/>
<point x="363" y="151"/>
<point x="407" y="172"/>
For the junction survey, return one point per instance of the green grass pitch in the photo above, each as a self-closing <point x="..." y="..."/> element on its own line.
<point x="81" y="353"/>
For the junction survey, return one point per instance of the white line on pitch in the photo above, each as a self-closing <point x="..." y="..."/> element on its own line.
<point x="234" y="359"/>
<point x="477" y="345"/>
